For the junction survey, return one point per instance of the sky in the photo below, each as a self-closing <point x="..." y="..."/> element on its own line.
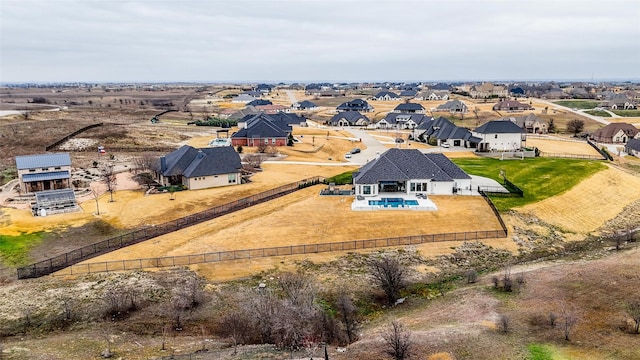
<point x="305" y="40"/>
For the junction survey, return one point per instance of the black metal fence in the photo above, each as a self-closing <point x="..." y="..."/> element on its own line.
<point x="59" y="262"/>
<point x="56" y="143"/>
<point x="220" y="256"/>
<point x="495" y="211"/>
<point x="605" y="154"/>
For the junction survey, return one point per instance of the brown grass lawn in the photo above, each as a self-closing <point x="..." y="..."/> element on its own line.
<point x="306" y="218"/>
<point x="588" y="205"/>
<point x="562" y="147"/>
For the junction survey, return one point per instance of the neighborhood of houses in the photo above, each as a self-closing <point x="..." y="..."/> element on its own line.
<point x="406" y="174"/>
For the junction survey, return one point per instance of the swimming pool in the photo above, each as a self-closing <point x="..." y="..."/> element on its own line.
<point x="393" y="202"/>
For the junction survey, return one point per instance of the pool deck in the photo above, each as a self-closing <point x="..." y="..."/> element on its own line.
<point x="423" y="204"/>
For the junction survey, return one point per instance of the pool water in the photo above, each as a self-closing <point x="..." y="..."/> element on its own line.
<point x="393" y="202"/>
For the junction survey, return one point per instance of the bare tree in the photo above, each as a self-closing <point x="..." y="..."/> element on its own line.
<point x="254" y="160"/>
<point x="67" y="305"/>
<point x="633" y="310"/>
<point x="553" y="318"/>
<point x="397" y="340"/>
<point x="146" y="162"/>
<point x="472" y="276"/>
<point x="95" y="194"/>
<point x="390" y="275"/>
<point x="108" y="177"/>
<point x="569" y="319"/>
<point x="297" y="287"/>
<point x="348" y="316"/>
<point x="236" y="326"/>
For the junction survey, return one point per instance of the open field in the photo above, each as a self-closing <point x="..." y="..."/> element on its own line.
<point x="591" y="203"/>
<point x="578" y="104"/>
<point x="559" y="146"/>
<point x="539" y="178"/>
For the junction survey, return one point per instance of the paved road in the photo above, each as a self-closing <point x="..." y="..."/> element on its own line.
<point x="578" y="112"/>
<point x="374" y="147"/>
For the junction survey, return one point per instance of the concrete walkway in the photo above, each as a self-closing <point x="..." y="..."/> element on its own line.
<point x="577" y="112"/>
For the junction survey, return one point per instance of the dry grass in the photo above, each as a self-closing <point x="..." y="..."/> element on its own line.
<point x="591" y="203"/>
<point x="306" y="218"/>
<point x="562" y="147"/>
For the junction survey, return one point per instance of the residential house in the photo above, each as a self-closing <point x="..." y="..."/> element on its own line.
<point x="386" y="96"/>
<point x="409" y="93"/>
<point x="511" y="105"/>
<point x="401" y="121"/>
<point x="452" y="106"/>
<point x="618" y="102"/>
<point x="633" y="147"/>
<point x="499" y="135"/>
<point x="201" y="168"/>
<point x="305" y="105"/>
<point x="444" y="131"/>
<point x="349" y="118"/>
<point x="438" y="95"/>
<point x="259" y="102"/>
<point x="487" y="90"/>
<point x="263" y="88"/>
<point x="616" y="133"/>
<point x="243" y="98"/>
<point x="272" y="109"/>
<point x="44" y="172"/>
<point x="517" y="92"/>
<point x="409" y="108"/>
<point x="411" y="172"/>
<point x="261" y="129"/>
<point x="530" y="123"/>
<point x="237" y="115"/>
<point x="355" y="105"/>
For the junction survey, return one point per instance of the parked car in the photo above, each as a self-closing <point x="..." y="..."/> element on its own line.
<point x="347" y="155"/>
<point x="444" y="145"/>
<point x="355" y="151"/>
<point x="399" y="140"/>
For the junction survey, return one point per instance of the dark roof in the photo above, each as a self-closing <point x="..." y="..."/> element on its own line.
<point x="633" y="144"/>
<point x="306" y="104"/>
<point x="384" y="93"/>
<point x="263" y="126"/>
<point x="406" y="164"/>
<point x="511" y="104"/>
<point x="448" y="166"/>
<point x="499" y="127"/>
<point x="258" y="102"/>
<point x="43" y="160"/>
<point x="191" y="162"/>
<point x="443" y="129"/>
<point x="249" y="110"/>
<point x="55" y="175"/>
<point x="357" y="104"/>
<point x="409" y="107"/>
<point x="351" y="116"/>
<point x="409" y="92"/>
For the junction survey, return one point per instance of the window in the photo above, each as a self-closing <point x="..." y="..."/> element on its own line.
<point x="273" y="141"/>
<point x="232" y="178"/>
<point x="32" y="170"/>
<point x="412" y="187"/>
<point x="366" y="189"/>
<point x="45" y="169"/>
<point x="57" y="168"/>
<point x="495" y="136"/>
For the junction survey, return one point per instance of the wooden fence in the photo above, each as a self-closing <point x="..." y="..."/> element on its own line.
<point x="59" y="262"/>
<point x="56" y="143"/>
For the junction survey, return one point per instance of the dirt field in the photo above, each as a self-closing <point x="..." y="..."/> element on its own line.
<point x="561" y="147"/>
<point x="591" y="203"/>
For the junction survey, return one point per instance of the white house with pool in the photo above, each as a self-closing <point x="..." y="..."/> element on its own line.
<point x="404" y="178"/>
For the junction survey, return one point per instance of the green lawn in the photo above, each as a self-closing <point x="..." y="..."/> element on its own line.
<point x="627" y="113"/>
<point x="598" y="113"/>
<point x="578" y="104"/>
<point x="540" y="352"/>
<point x="341" y="179"/>
<point x="14" y="250"/>
<point x="539" y="178"/>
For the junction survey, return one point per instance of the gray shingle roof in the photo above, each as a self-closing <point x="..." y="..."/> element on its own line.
<point x="409" y="107"/>
<point x="266" y="125"/>
<point x="42" y="161"/>
<point x="191" y="162"/>
<point x="633" y="144"/>
<point x="452" y="105"/>
<point x="55" y="175"/>
<point x="351" y="116"/>
<point x="406" y="164"/>
<point x="419" y="119"/>
<point x="499" y="127"/>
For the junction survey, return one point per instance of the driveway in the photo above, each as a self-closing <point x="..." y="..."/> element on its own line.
<point x="374" y="147"/>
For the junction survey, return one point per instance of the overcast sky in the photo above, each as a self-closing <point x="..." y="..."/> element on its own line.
<point x="346" y="40"/>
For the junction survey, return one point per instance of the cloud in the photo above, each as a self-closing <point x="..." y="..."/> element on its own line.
<point x="144" y="40"/>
